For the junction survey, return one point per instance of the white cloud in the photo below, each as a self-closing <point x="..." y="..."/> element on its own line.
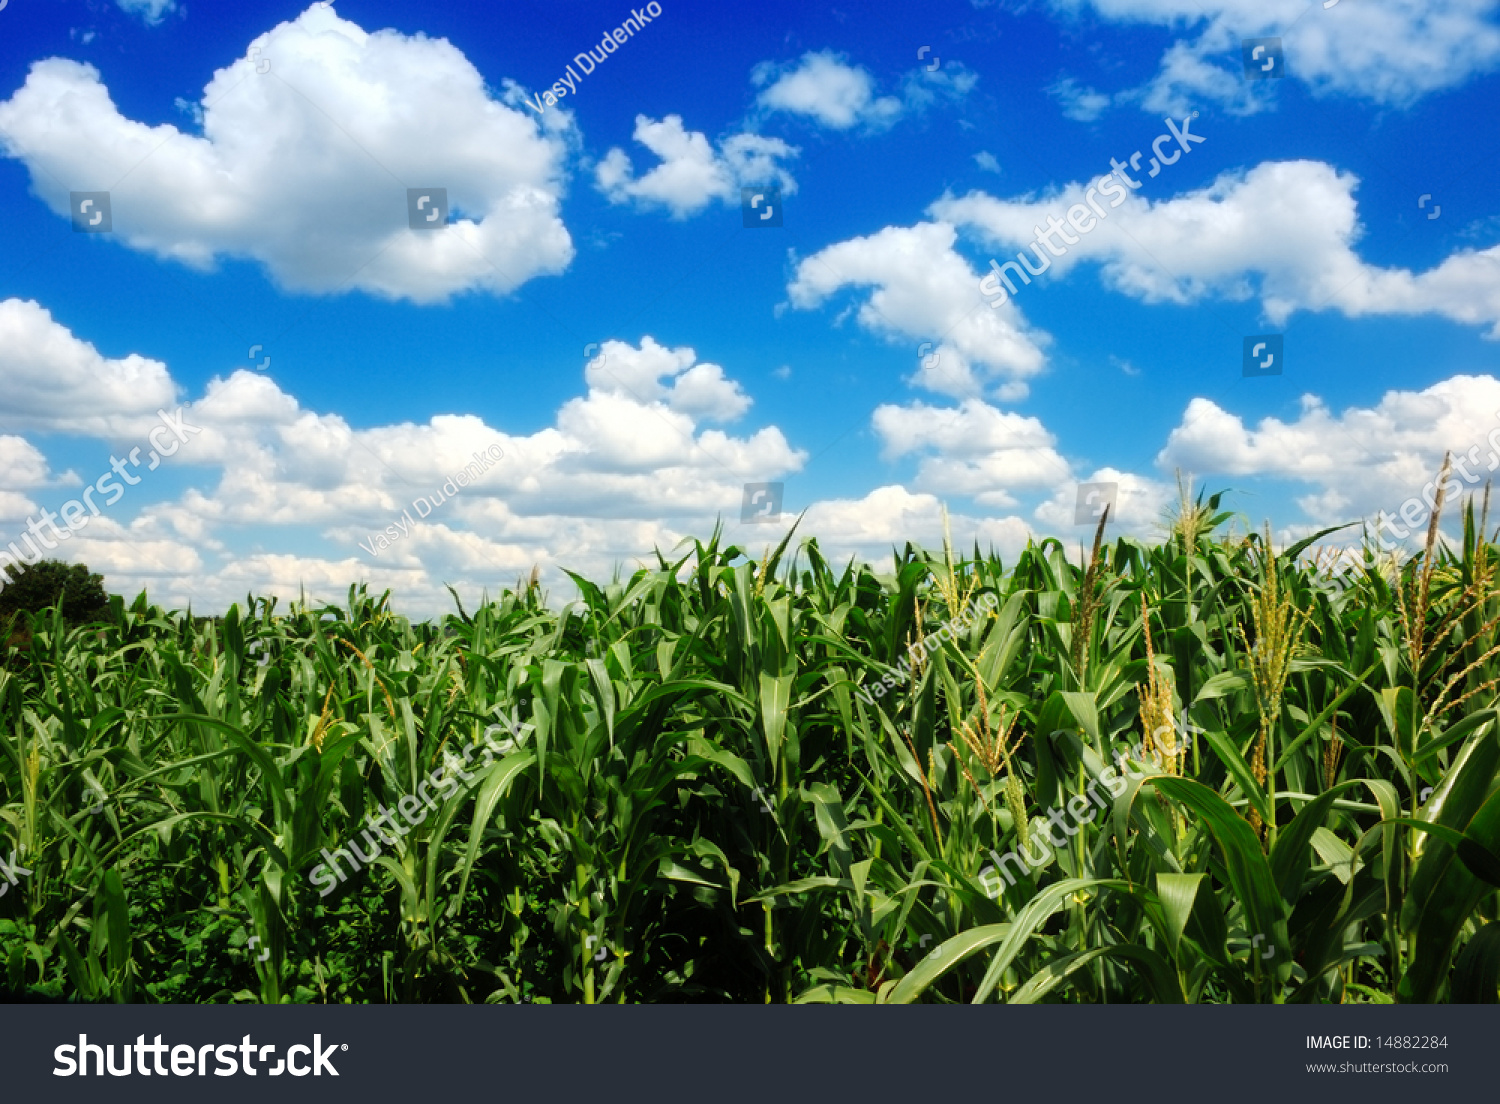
<point x="691" y="174"/>
<point x="270" y="483"/>
<point x="824" y="88"/>
<point x="304" y="167"/>
<point x="1192" y="73"/>
<point x="1354" y="463"/>
<point x="631" y="446"/>
<point x="1392" y="52"/>
<point x="281" y="497"/>
<point x="120" y="556"/>
<point x="890" y="516"/>
<point x="972" y="429"/>
<point x="1141" y="505"/>
<point x="22" y="468"/>
<point x="16" y="507"/>
<point x="923" y="87"/>
<point x="1376" y="464"/>
<point x="923" y="290"/>
<point x="1079" y="102"/>
<point x="975" y="450"/>
<point x="986" y="161"/>
<point x="21" y="464"/>
<point x="1283" y="232"/>
<point x="52" y="381"/>
<point x="996" y="457"/>
<point x="151" y="12"/>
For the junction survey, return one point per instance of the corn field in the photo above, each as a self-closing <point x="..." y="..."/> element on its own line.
<point x="710" y="800"/>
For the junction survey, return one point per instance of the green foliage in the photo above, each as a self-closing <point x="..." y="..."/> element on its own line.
<point x="52" y="583"/>
<point x="713" y="802"/>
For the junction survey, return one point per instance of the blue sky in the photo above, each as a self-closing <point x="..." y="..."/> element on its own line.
<point x="597" y="311"/>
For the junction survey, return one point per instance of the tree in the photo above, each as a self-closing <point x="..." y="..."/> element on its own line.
<point x="49" y="583"/>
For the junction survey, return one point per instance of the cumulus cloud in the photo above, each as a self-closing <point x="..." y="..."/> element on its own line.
<point x="632" y="445"/>
<point x="22" y="468"/>
<point x="1355" y="462"/>
<point x="632" y="463"/>
<point x="21" y="464"/>
<point x="868" y="527"/>
<point x="824" y="88"/>
<point x="976" y="450"/>
<point x="997" y="458"/>
<point x="1193" y="73"/>
<point x="923" y="290"/>
<point x="1283" y="232"/>
<point x="120" y="555"/>
<point x="692" y="174"/>
<point x="52" y="381"/>
<point x="1393" y="52"/>
<point x="1141" y="505"/>
<point x="281" y="498"/>
<point x="304" y="167"/>
<point x="699" y="390"/>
